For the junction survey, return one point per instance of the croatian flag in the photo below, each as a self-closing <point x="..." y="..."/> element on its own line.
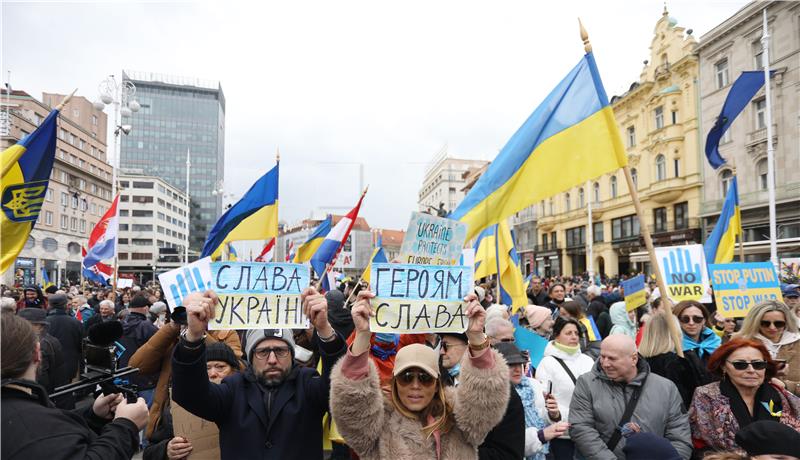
<point x="290" y="252"/>
<point x="328" y="251"/>
<point x="103" y="240"/>
<point x="268" y="253"/>
<point x="99" y="272"/>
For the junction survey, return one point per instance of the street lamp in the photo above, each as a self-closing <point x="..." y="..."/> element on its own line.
<point x="58" y="273"/>
<point x="120" y="95"/>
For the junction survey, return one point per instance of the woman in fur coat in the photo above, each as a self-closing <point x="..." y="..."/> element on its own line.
<point x="419" y="419"/>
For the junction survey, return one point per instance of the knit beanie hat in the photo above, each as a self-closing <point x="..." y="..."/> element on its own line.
<point x="256" y="336"/>
<point x="536" y="315"/>
<point x="768" y="437"/>
<point x="648" y="446"/>
<point x="219" y="351"/>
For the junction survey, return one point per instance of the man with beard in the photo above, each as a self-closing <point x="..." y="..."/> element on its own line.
<point x="272" y="410"/>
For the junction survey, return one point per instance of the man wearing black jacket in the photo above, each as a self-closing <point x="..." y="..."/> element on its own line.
<point x="274" y="409"/>
<point x="68" y="331"/>
<point x="32" y="428"/>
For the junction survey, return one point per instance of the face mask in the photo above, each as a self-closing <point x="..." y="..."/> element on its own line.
<point x="383" y="337"/>
<point x="455" y="370"/>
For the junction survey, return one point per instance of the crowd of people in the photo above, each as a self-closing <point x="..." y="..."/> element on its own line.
<point x="658" y="382"/>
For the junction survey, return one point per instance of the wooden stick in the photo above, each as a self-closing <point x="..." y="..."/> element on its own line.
<point x="65" y="101"/>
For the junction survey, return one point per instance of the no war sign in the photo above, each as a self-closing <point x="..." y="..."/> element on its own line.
<point x="417" y="299"/>
<point x="252" y="295"/>
<point x="683" y="269"/>
<point x="738" y="287"/>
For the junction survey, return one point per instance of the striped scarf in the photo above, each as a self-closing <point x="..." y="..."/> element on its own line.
<point x="532" y="419"/>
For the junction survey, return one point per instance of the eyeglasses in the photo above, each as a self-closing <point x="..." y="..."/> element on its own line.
<point x="692" y="319"/>
<point x="777" y="324"/>
<point x="506" y="339"/>
<point x="263" y="353"/>
<point x="407" y="377"/>
<point x="446" y="346"/>
<point x="758" y="365"/>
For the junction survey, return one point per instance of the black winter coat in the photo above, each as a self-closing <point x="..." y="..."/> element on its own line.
<point x="677" y="370"/>
<point x="51" y="372"/>
<point x="293" y="426"/>
<point x="136" y="331"/>
<point x="507" y="438"/>
<point x="34" y="429"/>
<point x="68" y="331"/>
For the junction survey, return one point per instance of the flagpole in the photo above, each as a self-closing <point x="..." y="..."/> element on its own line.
<point x="773" y="237"/>
<point x="189" y="205"/>
<point x="589" y="236"/>
<point x="497" y="258"/>
<point x="648" y="240"/>
<point x="741" y="234"/>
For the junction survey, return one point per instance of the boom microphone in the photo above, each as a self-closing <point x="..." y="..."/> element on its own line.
<point x="106" y="333"/>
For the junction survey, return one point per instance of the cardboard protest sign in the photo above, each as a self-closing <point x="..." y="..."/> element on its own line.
<point x="254" y="295"/>
<point x="123" y="283"/>
<point x="417" y="299"/>
<point x="203" y="435"/>
<point x="635" y="295"/>
<point x="740" y="286"/>
<point x="683" y="269"/>
<point x="177" y="284"/>
<point x="432" y="240"/>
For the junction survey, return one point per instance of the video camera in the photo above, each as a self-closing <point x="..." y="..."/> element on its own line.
<point x="101" y="352"/>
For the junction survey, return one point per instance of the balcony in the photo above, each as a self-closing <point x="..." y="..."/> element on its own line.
<point x="547" y="247"/>
<point x="783" y="192"/>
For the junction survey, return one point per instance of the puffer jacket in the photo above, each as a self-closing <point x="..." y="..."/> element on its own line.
<point x="155" y="356"/>
<point x="549" y="370"/>
<point x="598" y="404"/>
<point x="787" y="348"/>
<point x="374" y="429"/>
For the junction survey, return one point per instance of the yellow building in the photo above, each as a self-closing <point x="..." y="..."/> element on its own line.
<point x="657" y="119"/>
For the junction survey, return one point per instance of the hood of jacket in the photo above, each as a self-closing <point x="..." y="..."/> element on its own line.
<point x="132" y="322"/>
<point x="642" y="370"/>
<point x="340" y="318"/>
<point x="619" y="316"/>
<point x="774" y="347"/>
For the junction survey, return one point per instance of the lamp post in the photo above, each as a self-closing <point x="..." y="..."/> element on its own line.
<point x="58" y="274"/>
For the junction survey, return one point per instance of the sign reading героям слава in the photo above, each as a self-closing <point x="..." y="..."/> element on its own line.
<point x="417" y="299"/>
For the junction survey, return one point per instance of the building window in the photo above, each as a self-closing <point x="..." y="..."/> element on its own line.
<point x="676" y="163"/>
<point x="567" y="202"/>
<point x="552" y="206"/>
<point x="64" y="199"/>
<point x="660" y="219"/>
<point x="49" y="195"/>
<point x="576" y="237"/>
<point x="142" y="199"/>
<point x="596" y="188"/>
<point x="631" y="136"/>
<point x="48" y="218"/>
<point x="761" y="170"/>
<point x="50" y="244"/>
<point x="75" y="201"/>
<point x="73" y="224"/>
<point x="94" y="123"/>
<point x="124" y="198"/>
<point x="758" y="54"/>
<point x="597" y="232"/>
<point x="83" y="226"/>
<point x="726" y="176"/>
<point x="659" y="113"/>
<point x="122" y="241"/>
<point x="147" y="185"/>
<point x="721" y="71"/>
<point x="122" y="256"/>
<point x="613" y="186"/>
<point x="123" y="213"/>
<point x="141" y="213"/>
<point x="761" y="113"/>
<point x="681" y="216"/>
<point x="661" y="167"/>
<point x="141" y="228"/>
<point x="625" y="227"/>
<point x="544" y="241"/>
<point x="674" y="117"/>
<point x="581" y="198"/>
<point x="635" y="178"/>
<point x="64" y="222"/>
<point x="554" y="239"/>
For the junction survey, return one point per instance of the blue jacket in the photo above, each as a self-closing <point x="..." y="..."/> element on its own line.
<point x="237" y="405"/>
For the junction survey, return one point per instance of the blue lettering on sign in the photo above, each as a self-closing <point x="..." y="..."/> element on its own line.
<point x="421" y="282"/>
<point x="259" y="278"/>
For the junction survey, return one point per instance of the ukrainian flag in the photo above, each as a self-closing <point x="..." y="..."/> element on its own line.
<point x="495" y="253"/>
<point x="307" y="249"/>
<point x="253" y="217"/>
<point x="232" y="255"/>
<point x="46" y="279"/>
<point x="570" y="138"/>
<point x="720" y="245"/>
<point x="377" y="257"/>
<point x="24" y="177"/>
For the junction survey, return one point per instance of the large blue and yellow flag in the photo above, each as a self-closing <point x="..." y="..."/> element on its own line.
<point x="573" y="126"/>
<point x="721" y="243"/>
<point x="307" y="250"/>
<point x="26" y="168"/>
<point x="495" y="253"/>
<point x="253" y="217"/>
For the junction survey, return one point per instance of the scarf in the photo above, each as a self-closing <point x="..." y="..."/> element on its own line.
<point x="767" y="405"/>
<point x="379" y="349"/>
<point x="566" y="348"/>
<point x="707" y="344"/>
<point x="532" y="419"/>
<point x="773" y="347"/>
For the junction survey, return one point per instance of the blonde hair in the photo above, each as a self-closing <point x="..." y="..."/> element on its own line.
<point x="439" y="408"/>
<point x="752" y="322"/>
<point x="659" y="336"/>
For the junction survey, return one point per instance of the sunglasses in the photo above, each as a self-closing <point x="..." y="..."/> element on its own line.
<point x="507" y="339"/>
<point x="406" y="378"/>
<point x="758" y="365"/>
<point x="777" y="324"/>
<point x="446" y="346"/>
<point x="692" y="319"/>
<point x="263" y="353"/>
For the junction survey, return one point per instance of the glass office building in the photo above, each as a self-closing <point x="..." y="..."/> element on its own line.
<point x="177" y="115"/>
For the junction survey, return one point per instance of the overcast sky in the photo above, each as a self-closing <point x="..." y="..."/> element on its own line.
<point x="338" y="83"/>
